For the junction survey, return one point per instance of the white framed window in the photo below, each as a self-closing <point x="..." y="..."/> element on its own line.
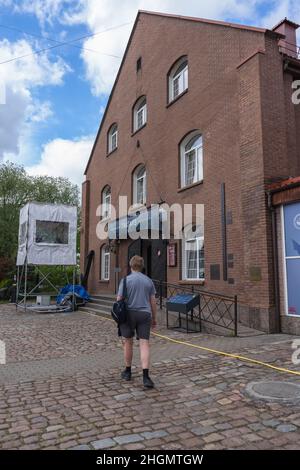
<point x="193" y="253"/>
<point x="139" y="185"/>
<point x="112" y="138"/>
<point x="106" y="202"/>
<point x="178" y="78"/>
<point x="140" y="113"/>
<point x="191" y="155"/>
<point x="105" y="263"/>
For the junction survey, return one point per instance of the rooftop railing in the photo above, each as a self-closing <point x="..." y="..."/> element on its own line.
<point x="290" y="49"/>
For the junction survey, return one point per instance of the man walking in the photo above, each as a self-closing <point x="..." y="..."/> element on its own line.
<point x="141" y="306"/>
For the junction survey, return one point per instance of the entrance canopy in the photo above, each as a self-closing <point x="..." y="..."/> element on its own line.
<point x="141" y="221"/>
<point x="47" y="234"/>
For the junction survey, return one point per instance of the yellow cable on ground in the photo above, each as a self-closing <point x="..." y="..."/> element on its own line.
<point x="222" y="353"/>
<point x="234" y="356"/>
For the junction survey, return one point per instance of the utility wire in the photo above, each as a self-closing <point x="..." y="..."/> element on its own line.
<point x="11" y="28"/>
<point x="66" y="43"/>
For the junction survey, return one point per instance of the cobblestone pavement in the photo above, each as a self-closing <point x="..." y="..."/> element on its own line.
<point x="60" y="389"/>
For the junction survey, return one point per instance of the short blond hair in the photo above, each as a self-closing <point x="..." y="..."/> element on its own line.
<point x="136" y="263"/>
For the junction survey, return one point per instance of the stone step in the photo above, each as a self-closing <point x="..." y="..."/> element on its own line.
<point x="95" y="311"/>
<point x="103" y="308"/>
<point x="96" y="301"/>
<point x="111" y="297"/>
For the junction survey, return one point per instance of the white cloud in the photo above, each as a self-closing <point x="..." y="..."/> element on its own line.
<point x="11" y="119"/>
<point x="32" y="69"/>
<point x="39" y="111"/>
<point x="281" y="9"/>
<point x="45" y="10"/>
<point x="62" y="157"/>
<point x="21" y="111"/>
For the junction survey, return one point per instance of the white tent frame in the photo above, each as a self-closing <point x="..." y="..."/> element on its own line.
<point x="22" y="297"/>
<point x="22" y="268"/>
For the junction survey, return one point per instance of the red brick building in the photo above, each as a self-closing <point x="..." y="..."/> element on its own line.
<point x="201" y="112"/>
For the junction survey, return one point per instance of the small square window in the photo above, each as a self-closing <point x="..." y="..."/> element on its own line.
<point x="139" y="64"/>
<point x="51" y="233"/>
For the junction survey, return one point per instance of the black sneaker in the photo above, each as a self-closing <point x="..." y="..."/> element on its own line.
<point x="126" y="375"/>
<point x="148" y="382"/>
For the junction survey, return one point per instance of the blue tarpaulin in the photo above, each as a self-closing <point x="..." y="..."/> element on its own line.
<point x="78" y="290"/>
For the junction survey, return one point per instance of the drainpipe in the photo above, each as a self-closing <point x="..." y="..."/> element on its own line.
<point x="117" y="269"/>
<point x="275" y="262"/>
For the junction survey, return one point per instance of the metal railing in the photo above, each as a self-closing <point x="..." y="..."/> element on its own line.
<point x="214" y="309"/>
<point x="290" y="49"/>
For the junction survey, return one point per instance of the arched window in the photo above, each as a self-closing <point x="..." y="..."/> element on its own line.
<point x="191" y="156"/>
<point x="193" y="253"/>
<point x="139" y="185"/>
<point x="106" y="202"/>
<point x="105" y="263"/>
<point x="178" y="78"/>
<point x="140" y="113"/>
<point x="112" y="138"/>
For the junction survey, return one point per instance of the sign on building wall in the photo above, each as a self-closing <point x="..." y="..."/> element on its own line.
<point x="292" y="257"/>
<point x="172" y="261"/>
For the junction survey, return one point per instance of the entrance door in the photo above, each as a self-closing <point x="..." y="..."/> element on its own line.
<point x="159" y="260"/>
<point x="135" y="248"/>
<point x="154" y="253"/>
<point x="147" y="255"/>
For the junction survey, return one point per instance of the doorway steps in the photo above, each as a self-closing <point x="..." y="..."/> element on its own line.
<point x="100" y="304"/>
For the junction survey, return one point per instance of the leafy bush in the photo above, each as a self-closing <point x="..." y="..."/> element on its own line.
<point x="7" y="269"/>
<point x="5" y="283"/>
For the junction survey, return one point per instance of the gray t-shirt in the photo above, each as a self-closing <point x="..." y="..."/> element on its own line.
<point x="139" y="290"/>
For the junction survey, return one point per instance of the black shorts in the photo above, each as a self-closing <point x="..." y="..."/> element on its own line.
<point x="139" y="322"/>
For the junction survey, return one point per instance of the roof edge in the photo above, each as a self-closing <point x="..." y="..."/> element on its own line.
<point x="286" y="20"/>
<point x="206" y="20"/>
<point x="284" y="184"/>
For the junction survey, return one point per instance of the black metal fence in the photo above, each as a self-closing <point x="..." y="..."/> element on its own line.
<point x="218" y="311"/>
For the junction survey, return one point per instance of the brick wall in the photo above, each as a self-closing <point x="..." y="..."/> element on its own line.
<point x="230" y="103"/>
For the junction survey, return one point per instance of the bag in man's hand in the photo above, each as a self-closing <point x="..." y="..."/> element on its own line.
<point x="119" y="310"/>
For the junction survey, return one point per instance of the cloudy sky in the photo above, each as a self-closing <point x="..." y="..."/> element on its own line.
<point x="55" y="99"/>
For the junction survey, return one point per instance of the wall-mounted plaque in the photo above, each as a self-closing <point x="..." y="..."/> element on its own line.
<point x="215" y="272"/>
<point x="255" y="273"/>
<point x="172" y="254"/>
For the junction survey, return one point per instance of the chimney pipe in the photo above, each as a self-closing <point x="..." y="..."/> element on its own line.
<point x="287" y="45"/>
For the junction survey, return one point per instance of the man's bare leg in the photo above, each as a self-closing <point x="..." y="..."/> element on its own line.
<point x="128" y="354"/>
<point x="128" y="351"/>
<point x="145" y="353"/>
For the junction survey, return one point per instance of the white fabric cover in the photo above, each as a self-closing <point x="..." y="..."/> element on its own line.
<point x="62" y="252"/>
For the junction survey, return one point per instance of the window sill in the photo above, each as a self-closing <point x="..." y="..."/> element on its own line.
<point x="139" y="129"/>
<point x="179" y="190"/>
<point x="191" y="282"/>
<point x="177" y="98"/>
<point x="104" y="281"/>
<point x="136" y="207"/>
<point x="111" y="152"/>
